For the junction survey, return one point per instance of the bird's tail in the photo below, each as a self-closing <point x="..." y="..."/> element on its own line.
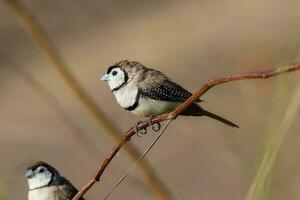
<point x="195" y="110"/>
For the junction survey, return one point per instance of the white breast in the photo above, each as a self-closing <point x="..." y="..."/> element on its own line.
<point x="126" y="96"/>
<point x="46" y="193"/>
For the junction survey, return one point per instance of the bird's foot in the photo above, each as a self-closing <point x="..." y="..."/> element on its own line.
<point x="138" y="131"/>
<point x="155" y="126"/>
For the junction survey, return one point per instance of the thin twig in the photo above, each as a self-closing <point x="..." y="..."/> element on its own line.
<point x="40" y="37"/>
<point x="173" y="115"/>
<point x="139" y="160"/>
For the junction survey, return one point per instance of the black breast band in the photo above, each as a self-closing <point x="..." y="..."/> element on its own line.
<point x="136" y="103"/>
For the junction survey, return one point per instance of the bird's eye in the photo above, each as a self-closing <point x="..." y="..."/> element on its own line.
<point x="42" y="170"/>
<point x="114" y="73"/>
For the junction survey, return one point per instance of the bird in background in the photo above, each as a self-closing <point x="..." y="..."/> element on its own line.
<point x="45" y="183"/>
<point x="147" y="92"/>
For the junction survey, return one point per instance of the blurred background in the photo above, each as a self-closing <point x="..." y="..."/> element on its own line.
<point x="192" y="42"/>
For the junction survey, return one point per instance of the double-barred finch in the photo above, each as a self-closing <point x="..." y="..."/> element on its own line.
<point x="148" y="92"/>
<point x="45" y="183"/>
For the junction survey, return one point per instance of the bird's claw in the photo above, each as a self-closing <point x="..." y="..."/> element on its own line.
<point x="155" y="126"/>
<point x="138" y="131"/>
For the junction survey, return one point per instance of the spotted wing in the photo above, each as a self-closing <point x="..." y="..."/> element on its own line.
<point x="166" y="90"/>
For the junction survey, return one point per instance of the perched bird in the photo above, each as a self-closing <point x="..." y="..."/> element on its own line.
<point x="148" y="92"/>
<point x="45" y="183"/>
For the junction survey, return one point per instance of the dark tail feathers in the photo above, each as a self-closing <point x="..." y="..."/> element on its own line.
<point x="195" y="110"/>
<point x="221" y="119"/>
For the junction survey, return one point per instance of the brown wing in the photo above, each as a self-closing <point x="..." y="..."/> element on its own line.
<point x="155" y="85"/>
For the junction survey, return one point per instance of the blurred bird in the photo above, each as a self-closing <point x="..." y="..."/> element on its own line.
<point x="45" y="183"/>
<point x="148" y="92"/>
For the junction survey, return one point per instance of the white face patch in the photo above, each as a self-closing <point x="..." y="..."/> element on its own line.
<point x="115" y="78"/>
<point x="40" y="177"/>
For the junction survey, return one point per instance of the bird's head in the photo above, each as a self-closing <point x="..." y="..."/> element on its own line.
<point x="119" y="74"/>
<point x="41" y="175"/>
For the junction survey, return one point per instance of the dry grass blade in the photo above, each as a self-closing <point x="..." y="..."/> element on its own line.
<point x="43" y="41"/>
<point x="202" y="90"/>
<point x="258" y="185"/>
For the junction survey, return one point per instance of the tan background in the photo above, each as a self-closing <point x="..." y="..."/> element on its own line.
<point x="191" y="41"/>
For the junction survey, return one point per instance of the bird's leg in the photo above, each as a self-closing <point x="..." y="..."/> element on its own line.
<point x="137" y="130"/>
<point x="154" y="128"/>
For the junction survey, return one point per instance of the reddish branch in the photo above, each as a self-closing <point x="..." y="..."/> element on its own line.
<point x="172" y="115"/>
